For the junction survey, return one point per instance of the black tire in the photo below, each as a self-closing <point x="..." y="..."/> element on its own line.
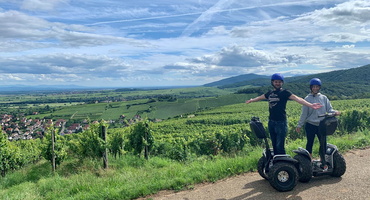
<point x="304" y="167"/>
<point x="283" y="176"/>
<point x="339" y="165"/>
<point x="261" y="167"/>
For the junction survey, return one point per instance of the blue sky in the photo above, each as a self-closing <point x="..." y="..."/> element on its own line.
<point x="115" y="43"/>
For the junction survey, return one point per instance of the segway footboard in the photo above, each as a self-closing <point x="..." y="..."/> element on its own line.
<point x="284" y="158"/>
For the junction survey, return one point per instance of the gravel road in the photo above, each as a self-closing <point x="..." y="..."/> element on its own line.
<point x="354" y="184"/>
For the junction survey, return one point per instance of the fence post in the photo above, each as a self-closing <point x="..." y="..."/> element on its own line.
<point x="105" y="151"/>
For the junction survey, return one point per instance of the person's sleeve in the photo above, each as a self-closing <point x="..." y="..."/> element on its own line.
<point x="329" y="107"/>
<point x="267" y="95"/>
<point x="303" y="117"/>
<point x="288" y="93"/>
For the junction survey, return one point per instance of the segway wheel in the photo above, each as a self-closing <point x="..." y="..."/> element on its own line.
<point x="304" y="168"/>
<point x="339" y="165"/>
<point x="261" y="167"/>
<point x="283" y="176"/>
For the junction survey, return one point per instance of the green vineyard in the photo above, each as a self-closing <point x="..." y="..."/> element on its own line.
<point x="147" y="157"/>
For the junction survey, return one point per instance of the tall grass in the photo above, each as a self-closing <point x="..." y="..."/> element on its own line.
<point x="131" y="177"/>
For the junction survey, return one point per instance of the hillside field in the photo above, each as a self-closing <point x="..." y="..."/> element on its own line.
<point x="146" y="108"/>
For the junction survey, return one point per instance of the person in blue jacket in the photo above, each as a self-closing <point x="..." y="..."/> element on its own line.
<point x="310" y="119"/>
<point x="277" y="99"/>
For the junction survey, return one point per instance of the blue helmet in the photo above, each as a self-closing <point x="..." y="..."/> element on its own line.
<point x="315" y="81"/>
<point x="277" y="76"/>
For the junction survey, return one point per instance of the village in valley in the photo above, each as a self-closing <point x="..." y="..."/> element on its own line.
<point x="24" y="122"/>
<point x="23" y="128"/>
<point x="20" y="127"/>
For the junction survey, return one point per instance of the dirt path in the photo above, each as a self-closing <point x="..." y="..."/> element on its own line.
<point x="354" y="184"/>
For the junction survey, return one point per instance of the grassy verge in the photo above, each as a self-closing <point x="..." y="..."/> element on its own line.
<point x="130" y="177"/>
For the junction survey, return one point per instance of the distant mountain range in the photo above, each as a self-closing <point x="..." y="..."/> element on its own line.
<point x="26" y="89"/>
<point x="341" y="84"/>
<point x="39" y="88"/>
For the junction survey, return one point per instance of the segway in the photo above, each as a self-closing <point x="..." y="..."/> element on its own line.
<point x="335" y="161"/>
<point x="280" y="170"/>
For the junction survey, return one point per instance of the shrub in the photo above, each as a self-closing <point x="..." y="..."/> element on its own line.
<point x="59" y="148"/>
<point x="352" y="121"/>
<point x="141" y="138"/>
<point x="10" y="157"/>
<point x="90" y="144"/>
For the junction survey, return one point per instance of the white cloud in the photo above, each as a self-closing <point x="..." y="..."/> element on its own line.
<point x="348" y="46"/>
<point x="235" y="60"/>
<point x="145" y="42"/>
<point x="343" y="37"/>
<point x="22" y="32"/>
<point x="89" y="65"/>
<point x="37" y="5"/>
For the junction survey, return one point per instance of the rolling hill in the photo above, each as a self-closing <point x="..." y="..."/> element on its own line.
<point x="359" y="75"/>
<point x="236" y="79"/>
<point x="340" y="84"/>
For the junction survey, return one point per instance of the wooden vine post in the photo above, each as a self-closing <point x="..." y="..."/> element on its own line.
<point x="146" y="150"/>
<point x="53" y="149"/>
<point x="146" y="138"/>
<point x="105" y="151"/>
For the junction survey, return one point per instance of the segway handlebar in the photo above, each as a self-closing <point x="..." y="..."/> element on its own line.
<point x="328" y="115"/>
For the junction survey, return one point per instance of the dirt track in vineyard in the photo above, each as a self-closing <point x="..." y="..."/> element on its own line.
<point x="354" y="184"/>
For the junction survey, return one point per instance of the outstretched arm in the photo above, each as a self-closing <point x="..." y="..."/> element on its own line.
<point x="259" y="98"/>
<point x="304" y="102"/>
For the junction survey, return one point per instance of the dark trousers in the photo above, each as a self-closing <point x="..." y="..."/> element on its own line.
<point x="278" y="131"/>
<point x="311" y="131"/>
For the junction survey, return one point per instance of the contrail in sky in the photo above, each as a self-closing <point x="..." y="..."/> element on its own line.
<point x="217" y="8"/>
<point x="206" y="17"/>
